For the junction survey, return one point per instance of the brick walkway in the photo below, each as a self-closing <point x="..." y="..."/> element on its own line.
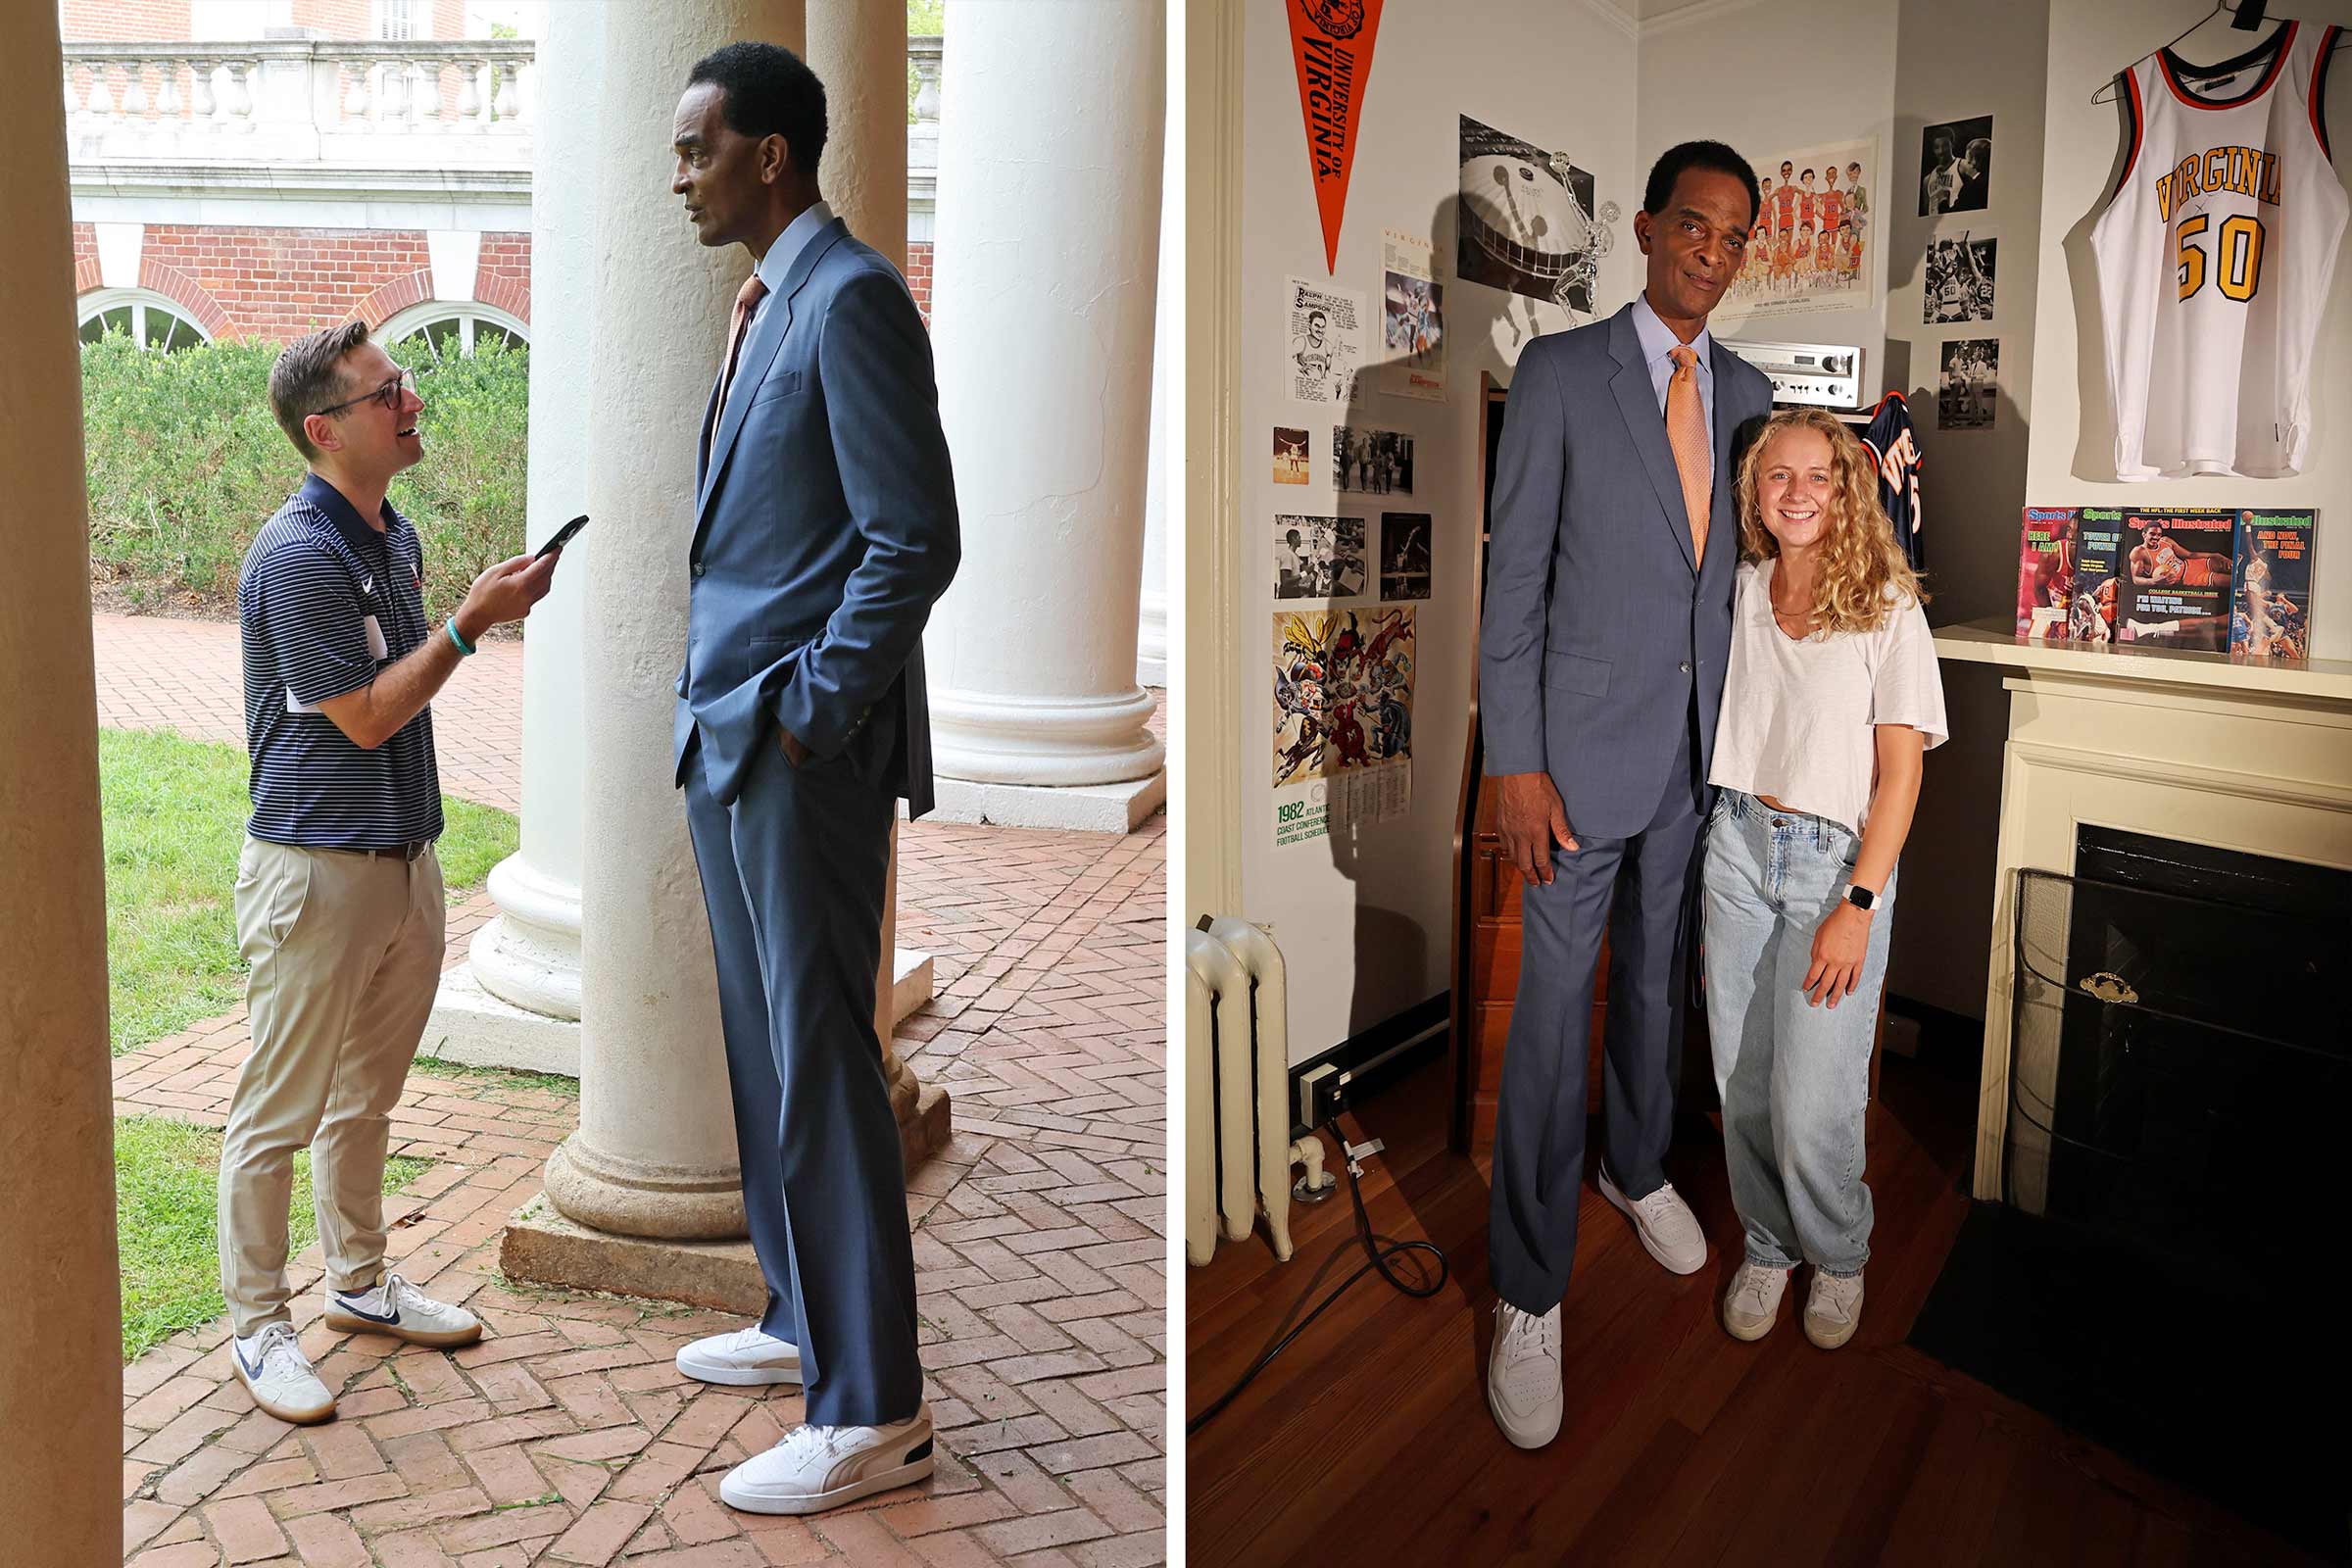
<point x="568" y="1436"/>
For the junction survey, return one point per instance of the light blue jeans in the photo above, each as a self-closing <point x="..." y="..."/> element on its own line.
<point x="1794" y="1078"/>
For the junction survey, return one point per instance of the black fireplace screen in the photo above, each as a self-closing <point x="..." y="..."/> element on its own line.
<point x="2180" y="1061"/>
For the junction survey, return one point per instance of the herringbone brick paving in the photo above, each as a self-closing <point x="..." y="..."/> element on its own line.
<point x="567" y="1437"/>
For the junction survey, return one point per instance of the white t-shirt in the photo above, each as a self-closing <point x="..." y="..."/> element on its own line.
<point x="1797" y="716"/>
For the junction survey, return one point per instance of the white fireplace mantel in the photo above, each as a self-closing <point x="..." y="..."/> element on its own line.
<point x="2247" y="754"/>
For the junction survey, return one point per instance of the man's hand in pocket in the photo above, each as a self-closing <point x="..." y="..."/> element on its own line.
<point x="794" y="752"/>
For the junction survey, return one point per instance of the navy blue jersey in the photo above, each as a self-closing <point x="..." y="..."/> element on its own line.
<point x="1895" y="449"/>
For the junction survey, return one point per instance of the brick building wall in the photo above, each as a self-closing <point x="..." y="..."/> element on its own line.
<point x="278" y="283"/>
<point x="918" y="275"/>
<point x="167" y="20"/>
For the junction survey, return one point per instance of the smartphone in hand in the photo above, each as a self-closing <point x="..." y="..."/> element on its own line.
<point x="563" y="535"/>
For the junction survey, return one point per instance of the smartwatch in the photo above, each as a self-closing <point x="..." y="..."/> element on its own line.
<point x="1860" y="897"/>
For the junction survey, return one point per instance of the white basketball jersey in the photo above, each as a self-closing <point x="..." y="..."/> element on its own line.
<point x="2214" y="257"/>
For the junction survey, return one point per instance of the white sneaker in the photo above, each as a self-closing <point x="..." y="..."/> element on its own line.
<point x="278" y="1376"/>
<point x="816" y="1468"/>
<point x="1523" y="1375"/>
<point x="1752" y="1305"/>
<point x="742" y="1358"/>
<point x="394" y="1307"/>
<point x="1833" y="1311"/>
<point x="1669" y="1231"/>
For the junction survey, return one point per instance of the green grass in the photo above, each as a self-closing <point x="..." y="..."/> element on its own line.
<point x="165" y="1176"/>
<point x="175" y="813"/>
<point x="499" y="1077"/>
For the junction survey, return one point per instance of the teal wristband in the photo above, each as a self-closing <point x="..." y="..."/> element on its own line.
<point x="465" y="648"/>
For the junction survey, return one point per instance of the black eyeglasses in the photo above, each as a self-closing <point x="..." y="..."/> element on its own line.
<point x="388" y="395"/>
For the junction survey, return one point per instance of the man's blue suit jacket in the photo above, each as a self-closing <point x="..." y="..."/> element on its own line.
<point x="1598" y="627"/>
<point x="825" y="527"/>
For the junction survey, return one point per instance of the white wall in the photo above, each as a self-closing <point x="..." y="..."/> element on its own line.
<point x="1953" y="65"/>
<point x="2088" y="41"/>
<point x="1365" y="918"/>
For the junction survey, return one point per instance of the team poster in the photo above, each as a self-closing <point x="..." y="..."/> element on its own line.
<point x="1343" y="718"/>
<point x="1815" y="246"/>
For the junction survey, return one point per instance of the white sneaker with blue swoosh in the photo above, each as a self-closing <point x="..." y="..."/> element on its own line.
<point x="816" y="1468"/>
<point x="278" y="1376"/>
<point x="394" y="1307"/>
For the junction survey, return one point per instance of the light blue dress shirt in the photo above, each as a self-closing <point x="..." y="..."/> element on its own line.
<point x="800" y="230"/>
<point x="1658" y="342"/>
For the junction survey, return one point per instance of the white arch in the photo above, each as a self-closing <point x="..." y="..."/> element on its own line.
<point x="468" y="315"/>
<point x="181" y="331"/>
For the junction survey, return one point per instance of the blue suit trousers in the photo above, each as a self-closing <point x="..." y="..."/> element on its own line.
<point x="794" y="875"/>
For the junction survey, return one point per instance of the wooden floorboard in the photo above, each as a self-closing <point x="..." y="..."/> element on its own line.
<point x="1679" y="1446"/>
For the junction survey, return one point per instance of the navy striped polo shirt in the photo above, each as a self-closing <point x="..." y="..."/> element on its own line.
<point x="323" y="602"/>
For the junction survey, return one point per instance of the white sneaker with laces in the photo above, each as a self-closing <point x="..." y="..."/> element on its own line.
<point x="816" y="1468"/>
<point x="394" y="1307"/>
<point x="743" y="1359"/>
<point x="1523" y="1375"/>
<point x="1752" y="1305"/>
<point x="1833" y="1310"/>
<point x="278" y="1376"/>
<point x="1669" y="1231"/>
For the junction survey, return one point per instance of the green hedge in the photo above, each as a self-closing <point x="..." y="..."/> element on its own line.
<point x="185" y="464"/>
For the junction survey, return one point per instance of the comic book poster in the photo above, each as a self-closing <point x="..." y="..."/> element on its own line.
<point x="1815" y="243"/>
<point x="1326" y="342"/>
<point x="2045" y="572"/>
<point x="1343" y="718"/>
<point x="2270" y="613"/>
<point x="1294" y="458"/>
<point x="1413" y="319"/>
<point x="2175" y="589"/>
<point x="2098" y="561"/>
<point x="1319" y="558"/>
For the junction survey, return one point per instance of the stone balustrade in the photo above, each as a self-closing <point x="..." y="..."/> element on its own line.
<point x="353" y="102"/>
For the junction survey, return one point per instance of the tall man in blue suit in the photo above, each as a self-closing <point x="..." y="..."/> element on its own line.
<point x="1601" y="654"/>
<point x="825" y="529"/>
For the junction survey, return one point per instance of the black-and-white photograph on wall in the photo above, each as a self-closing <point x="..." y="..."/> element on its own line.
<point x="1528" y="222"/>
<point x="1955" y="167"/>
<point x="1404" y="555"/>
<point x="1373" y="462"/>
<point x="1972" y="367"/>
<point x="1318" y="557"/>
<point x="1959" y="278"/>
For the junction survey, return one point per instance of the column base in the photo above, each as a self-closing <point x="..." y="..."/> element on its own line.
<point x="541" y="1246"/>
<point x="1079" y="807"/>
<point x="471" y="1026"/>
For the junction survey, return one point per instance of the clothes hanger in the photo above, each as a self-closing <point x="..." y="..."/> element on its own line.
<point x="2245" y="16"/>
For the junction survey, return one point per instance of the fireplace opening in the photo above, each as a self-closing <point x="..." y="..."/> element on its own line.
<point x="2157" y="1272"/>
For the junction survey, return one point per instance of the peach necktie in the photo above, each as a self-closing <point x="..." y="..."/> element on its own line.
<point x="1687" y="435"/>
<point x="747" y="300"/>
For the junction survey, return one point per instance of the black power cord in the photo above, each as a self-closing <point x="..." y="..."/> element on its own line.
<point x="1377" y="1250"/>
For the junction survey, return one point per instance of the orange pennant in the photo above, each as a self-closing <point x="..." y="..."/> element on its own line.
<point x="1331" y="43"/>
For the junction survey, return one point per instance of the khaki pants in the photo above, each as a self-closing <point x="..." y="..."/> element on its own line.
<point x="346" y="957"/>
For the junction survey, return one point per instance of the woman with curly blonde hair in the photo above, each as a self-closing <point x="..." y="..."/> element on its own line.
<point x="1832" y="697"/>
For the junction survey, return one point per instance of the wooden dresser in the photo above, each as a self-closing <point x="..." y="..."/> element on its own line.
<point x="1488" y="981"/>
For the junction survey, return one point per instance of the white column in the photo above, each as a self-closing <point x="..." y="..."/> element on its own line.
<point x="655" y="1151"/>
<point x="859" y="51"/>
<point x="517" y="1004"/>
<point x="1044" y="285"/>
<point x="1151" y="633"/>
<point x="60" y="1367"/>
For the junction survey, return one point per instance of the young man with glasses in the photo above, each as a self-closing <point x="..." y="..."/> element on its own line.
<point x="338" y="897"/>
